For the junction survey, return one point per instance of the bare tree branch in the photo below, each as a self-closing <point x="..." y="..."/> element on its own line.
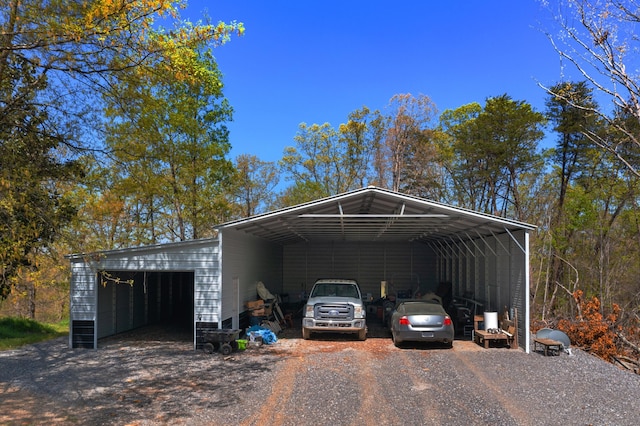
<point x="603" y="48"/>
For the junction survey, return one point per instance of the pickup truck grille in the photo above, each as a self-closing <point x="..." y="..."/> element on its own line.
<point x="333" y="312"/>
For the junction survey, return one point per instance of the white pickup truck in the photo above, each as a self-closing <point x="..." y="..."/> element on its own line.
<point x="335" y="306"/>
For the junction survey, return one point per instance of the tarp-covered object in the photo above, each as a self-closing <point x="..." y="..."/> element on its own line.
<point x="268" y="336"/>
<point x="263" y="293"/>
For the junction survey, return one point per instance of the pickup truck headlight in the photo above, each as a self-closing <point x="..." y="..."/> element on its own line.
<point x="308" y="311"/>
<point x="358" y="312"/>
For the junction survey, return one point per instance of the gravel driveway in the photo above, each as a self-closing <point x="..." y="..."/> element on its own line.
<point x="145" y="379"/>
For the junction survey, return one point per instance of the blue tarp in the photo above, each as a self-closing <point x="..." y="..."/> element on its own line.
<point x="268" y="336"/>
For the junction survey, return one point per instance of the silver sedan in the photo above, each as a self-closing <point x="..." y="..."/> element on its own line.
<point x="421" y="321"/>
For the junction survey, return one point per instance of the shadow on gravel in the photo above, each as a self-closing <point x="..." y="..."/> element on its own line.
<point x="147" y="374"/>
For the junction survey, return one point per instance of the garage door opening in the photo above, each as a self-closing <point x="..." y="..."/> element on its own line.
<point x="129" y="300"/>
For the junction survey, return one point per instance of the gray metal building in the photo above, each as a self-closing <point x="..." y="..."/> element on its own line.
<point x="381" y="238"/>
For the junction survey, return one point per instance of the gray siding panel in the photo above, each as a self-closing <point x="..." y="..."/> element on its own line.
<point x="83" y="292"/>
<point x="123" y="308"/>
<point x="495" y="275"/>
<point x="208" y="291"/>
<point x="404" y="266"/>
<point x="247" y="260"/>
<point x="518" y="290"/>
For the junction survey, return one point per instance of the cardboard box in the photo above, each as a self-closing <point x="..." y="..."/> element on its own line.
<point x="255" y="304"/>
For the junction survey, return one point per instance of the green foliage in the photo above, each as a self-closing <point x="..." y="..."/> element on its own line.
<point x="171" y="143"/>
<point x="592" y="197"/>
<point x="407" y="150"/>
<point x="326" y="161"/>
<point x="490" y="149"/>
<point x="254" y="184"/>
<point x="301" y="192"/>
<point x="58" y="61"/>
<point x="15" y="332"/>
<point x="32" y="208"/>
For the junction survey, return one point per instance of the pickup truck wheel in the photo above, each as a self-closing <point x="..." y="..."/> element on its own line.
<point x="362" y="334"/>
<point x="306" y="334"/>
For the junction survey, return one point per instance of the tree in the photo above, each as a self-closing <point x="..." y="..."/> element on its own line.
<point x="569" y="112"/>
<point x="424" y="174"/>
<point x="587" y="223"/>
<point x="32" y="209"/>
<point x="314" y="159"/>
<point x="56" y="59"/>
<point x="106" y="218"/>
<point x="361" y="136"/>
<point x="255" y="182"/>
<point x="570" y="109"/>
<point x="491" y="149"/>
<point x="455" y="130"/>
<point x="410" y="118"/>
<point x="602" y="47"/>
<point x="298" y="193"/>
<point x="171" y="142"/>
<point x="509" y="132"/>
<point x="326" y="162"/>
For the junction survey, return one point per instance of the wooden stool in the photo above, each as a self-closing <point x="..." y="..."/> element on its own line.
<point x="549" y="346"/>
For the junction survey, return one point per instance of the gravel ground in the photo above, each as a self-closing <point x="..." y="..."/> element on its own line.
<point x="154" y="377"/>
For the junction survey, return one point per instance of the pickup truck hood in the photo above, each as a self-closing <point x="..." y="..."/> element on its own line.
<point x="333" y="299"/>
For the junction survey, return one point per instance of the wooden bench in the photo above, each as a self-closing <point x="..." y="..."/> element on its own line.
<point x="548" y="346"/>
<point x="508" y="332"/>
<point x="483" y="338"/>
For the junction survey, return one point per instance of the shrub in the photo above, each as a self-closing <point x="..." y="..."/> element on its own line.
<point x="15" y="332"/>
<point x="594" y="333"/>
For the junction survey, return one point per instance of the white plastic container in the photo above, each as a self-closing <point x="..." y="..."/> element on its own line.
<point x="490" y="320"/>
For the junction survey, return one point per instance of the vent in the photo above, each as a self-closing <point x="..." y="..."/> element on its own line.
<point x="83" y="334"/>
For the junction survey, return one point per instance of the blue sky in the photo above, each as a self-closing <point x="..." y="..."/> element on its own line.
<point x="317" y="61"/>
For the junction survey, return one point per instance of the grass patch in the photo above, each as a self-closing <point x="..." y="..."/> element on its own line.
<point x="16" y="332"/>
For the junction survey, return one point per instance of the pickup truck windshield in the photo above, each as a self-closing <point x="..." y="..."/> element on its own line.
<point x="335" y="289"/>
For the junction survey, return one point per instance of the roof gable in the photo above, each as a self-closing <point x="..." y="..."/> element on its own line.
<point x="373" y="214"/>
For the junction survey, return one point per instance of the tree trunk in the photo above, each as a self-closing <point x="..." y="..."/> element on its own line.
<point x="31" y="288"/>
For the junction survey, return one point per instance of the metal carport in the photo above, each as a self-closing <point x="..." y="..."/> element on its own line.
<point x="376" y="235"/>
<point x="370" y="234"/>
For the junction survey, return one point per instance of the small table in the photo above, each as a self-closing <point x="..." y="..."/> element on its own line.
<point x="483" y="338"/>
<point x="548" y="346"/>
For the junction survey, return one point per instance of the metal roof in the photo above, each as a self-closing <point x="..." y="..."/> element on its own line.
<point x="373" y="214"/>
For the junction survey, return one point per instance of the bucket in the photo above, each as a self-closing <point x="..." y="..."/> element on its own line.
<point x="242" y="344"/>
<point x="490" y="320"/>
